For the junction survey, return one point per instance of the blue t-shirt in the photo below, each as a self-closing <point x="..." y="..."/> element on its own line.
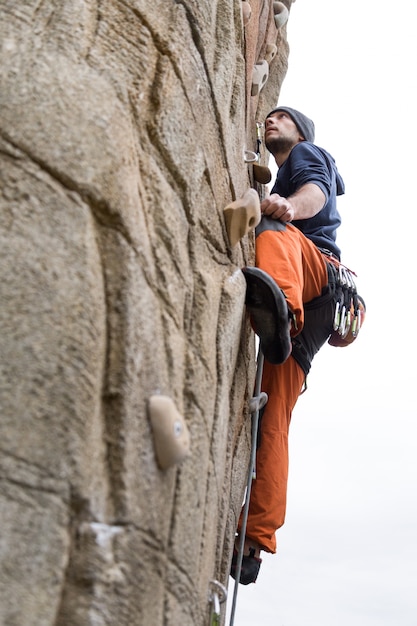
<point x="307" y="163"/>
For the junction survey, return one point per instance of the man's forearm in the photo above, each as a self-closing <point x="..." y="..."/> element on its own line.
<point x="304" y="203"/>
<point x="307" y="201"/>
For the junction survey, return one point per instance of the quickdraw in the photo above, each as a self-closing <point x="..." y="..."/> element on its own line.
<point x="261" y="173"/>
<point x="349" y="306"/>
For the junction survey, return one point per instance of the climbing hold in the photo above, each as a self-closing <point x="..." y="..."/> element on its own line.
<point x="261" y="173"/>
<point x="242" y="216"/>
<point x="270" y="53"/>
<point x="280" y="14"/>
<point x="246" y="12"/>
<point x="260" y="75"/>
<point x="170" y="433"/>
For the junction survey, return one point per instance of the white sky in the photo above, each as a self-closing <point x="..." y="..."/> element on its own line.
<point x="347" y="554"/>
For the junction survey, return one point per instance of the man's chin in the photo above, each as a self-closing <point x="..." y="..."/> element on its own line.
<point x="277" y="145"/>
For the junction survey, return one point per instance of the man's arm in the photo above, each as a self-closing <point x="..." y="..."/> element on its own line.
<point x="304" y="203"/>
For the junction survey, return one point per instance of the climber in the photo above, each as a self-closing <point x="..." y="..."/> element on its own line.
<point x="293" y="296"/>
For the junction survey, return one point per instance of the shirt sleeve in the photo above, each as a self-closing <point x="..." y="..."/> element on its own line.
<point x="308" y="165"/>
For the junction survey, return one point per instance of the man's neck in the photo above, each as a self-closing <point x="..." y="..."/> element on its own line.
<point x="281" y="157"/>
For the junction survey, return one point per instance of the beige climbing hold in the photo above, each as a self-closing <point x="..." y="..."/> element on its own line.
<point x="242" y="216"/>
<point x="260" y="75"/>
<point x="270" y="52"/>
<point x="261" y="173"/>
<point x="246" y="12"/>
<point x="170" y="433"/>
<point x="280" y="14"/>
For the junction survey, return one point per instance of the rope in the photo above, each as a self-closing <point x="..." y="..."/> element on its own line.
<point x="258" y="401"/>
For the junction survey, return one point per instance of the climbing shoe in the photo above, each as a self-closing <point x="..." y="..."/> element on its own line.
<point x="269" y="314"/>
<point x="250" y="567"/>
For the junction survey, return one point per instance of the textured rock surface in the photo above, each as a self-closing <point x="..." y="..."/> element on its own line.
<point x="122" y="130"/>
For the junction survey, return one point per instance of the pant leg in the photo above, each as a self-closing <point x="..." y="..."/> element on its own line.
<point x="300" y="271"/>
<point x="267" y="506"/>
<point x="295" y="263"/>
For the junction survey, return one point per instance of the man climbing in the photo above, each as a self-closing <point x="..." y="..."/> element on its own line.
<point x="293" y="296"/>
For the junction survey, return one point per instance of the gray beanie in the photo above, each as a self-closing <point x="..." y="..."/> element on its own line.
<point x="303" y="123"/>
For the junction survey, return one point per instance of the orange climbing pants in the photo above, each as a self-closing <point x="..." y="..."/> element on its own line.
<point x="300" y="270"/>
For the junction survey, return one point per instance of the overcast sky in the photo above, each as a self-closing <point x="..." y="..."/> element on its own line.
<point x="347" y="554"/>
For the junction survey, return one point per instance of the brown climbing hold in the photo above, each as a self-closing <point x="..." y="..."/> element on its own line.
<point x="242" y="216"/>
<point x="280" y="14"/>
<point x="170" y="432"/>
<point x="261" y="173"/>
<point x="246" y="12"/>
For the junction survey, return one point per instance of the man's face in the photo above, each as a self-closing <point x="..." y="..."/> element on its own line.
<point x="281" y="133"/>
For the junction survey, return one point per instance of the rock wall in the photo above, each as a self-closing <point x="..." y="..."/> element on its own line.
<point x="123" y="125"/>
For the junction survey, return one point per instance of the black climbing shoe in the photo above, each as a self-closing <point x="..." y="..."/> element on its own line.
<point x="269" y="314"/>
<point x="250" y="567"/>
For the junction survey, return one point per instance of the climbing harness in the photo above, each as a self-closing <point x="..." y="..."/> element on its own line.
<point x="218" y="595"/>
<point x="256" y="404"/>
<point x="335" y="316"/>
